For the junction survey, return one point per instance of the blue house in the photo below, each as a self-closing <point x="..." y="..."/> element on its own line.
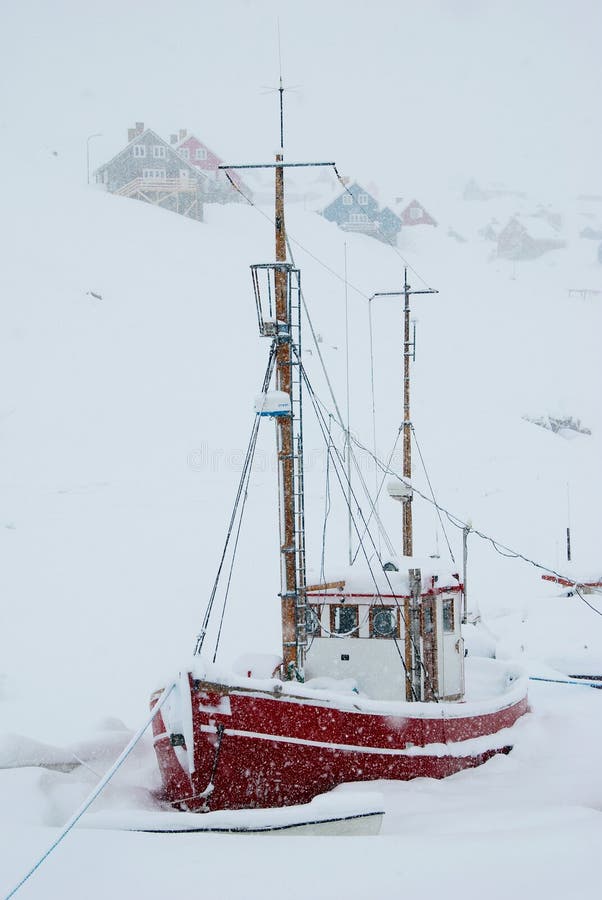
<point x="357" y="210"/>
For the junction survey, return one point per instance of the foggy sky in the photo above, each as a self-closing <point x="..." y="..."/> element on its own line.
<point x="400" y="92"/>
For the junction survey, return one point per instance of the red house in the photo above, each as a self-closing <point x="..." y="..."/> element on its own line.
<point x="416" y="214"/>
<point x="198" y="154"/>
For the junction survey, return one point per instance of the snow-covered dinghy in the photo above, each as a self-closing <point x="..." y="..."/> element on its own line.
<point x="336" y="813"/>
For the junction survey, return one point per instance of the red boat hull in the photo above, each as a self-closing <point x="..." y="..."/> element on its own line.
<point x="262" y="749"/>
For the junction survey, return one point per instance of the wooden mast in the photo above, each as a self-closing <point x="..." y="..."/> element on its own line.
<point x="286" y="331"/>
<point x="407" y="535"/>
<point x="284" y="428"/>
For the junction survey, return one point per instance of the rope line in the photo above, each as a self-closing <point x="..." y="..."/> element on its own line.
<point x="428" y="480"/>
<point x="500" y="548"/>
<point x="339" y="417"/>
<point x="295" y="241"/>
<point x="239" y="493"/>
<point x="96" y="791"/>
<point x="388" y="241"/>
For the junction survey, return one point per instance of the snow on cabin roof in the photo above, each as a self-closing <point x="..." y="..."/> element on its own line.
<point x="359" y="579"/>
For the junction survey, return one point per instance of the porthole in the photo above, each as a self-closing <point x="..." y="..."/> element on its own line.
<point x="384" y="623"/>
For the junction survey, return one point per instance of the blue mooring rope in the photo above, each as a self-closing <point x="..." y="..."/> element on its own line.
<point x="579" y="683"/>
<point x="92" y="797"/>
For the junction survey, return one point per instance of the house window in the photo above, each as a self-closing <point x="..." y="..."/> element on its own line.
<point x="362" y="199"/>
<point x="344" y="620"/>
<point x="358" y="217"/>
<point x="347" y="199"/>
<point x="184" y="152"/>
<point x="415" y="213"/>
<point x="383" y="622"/>
<point x="154" y="174"/>
<point x="139" y="150"/>
<point x="159" y="152"/>
<point x="200" y="153"/>
<point x="448" y="614"/>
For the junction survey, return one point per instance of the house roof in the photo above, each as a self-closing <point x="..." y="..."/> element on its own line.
<point x="354" y="188"/>
<point x="160" y="141"/>
<point x="193" y="137"/>
<point x="233" y="175"/>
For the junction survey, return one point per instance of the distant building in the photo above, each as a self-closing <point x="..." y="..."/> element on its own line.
<point x="220" y="188"/>
<point x="527" y="240"/>
<point x="593" y="234"/>
<point x="415" y="214"/>
<point x="149" y="169"/>
<point x="357" y="210"/>
<point x="474" y="192"/>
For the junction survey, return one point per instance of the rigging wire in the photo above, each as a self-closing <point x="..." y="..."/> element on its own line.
<point x="246" y="469"/>
<point x="301" y="246"/>
<point x="339" y="416"/>
<point x="326" y="504"/>
<point x="388" y="241"/>
<point x="340" y="473"/>
<point x="70" y="824"/>
<point x="342" y="278"/>
<point x="457" y="522"/>
<point x="234" y="549"/>
<point x="379" y="490"/>
<point x="373" y="397"/>
<point x="587" y="603"/>
<point x="451" y="552"/>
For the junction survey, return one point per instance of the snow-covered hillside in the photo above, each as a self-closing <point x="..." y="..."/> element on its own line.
<point x="130" y="360"/>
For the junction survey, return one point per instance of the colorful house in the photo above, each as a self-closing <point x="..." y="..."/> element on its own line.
<point x="149" y="169"/>
<point x="220" y="187"/>
<point x="357" y="210"/>
<point x="415" y="214"/>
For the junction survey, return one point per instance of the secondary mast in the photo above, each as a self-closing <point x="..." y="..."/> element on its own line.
<point x="408" y="351"/>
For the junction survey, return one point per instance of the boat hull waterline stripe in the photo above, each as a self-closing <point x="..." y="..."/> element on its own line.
<point x="458" y="748"/>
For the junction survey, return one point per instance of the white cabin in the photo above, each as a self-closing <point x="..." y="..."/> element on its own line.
<point x="375" y="634"/>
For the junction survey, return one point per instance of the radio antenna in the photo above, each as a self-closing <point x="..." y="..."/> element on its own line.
<point x="280" y="88"/>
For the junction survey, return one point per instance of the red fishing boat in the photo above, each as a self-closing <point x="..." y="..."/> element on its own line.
<point x="372" y="682"/>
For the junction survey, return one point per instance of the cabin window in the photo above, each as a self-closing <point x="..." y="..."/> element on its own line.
<point x="448" y="614"/>
<point x="428" y="619"/>
<point x="358" y="217"/>
<point x="312" y="620"/>
<point x="200" y="153"/>
<point x="139" y="150"/>
<point x="415" y="213"/>
<point x="184" y="152"/>
<point x="154" y="174"/>
<point x="362" y="199"/>
<point x="383" y="622"/>
<point x="347" y="199"/>
<point x="159" y="152"/>
<point x="344" y="619"/>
